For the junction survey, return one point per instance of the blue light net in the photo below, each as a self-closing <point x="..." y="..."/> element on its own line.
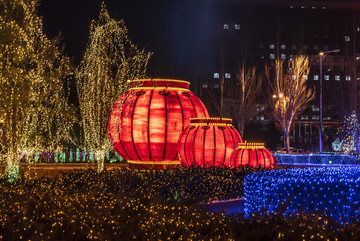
<point x="332" y="190"/>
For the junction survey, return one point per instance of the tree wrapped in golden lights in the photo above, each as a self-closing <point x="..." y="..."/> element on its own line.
<point x="110" y="60"/>
<point x="289" y="91"/>
<point x="32" y="100"/>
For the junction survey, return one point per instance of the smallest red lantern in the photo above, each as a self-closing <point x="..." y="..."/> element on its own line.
<point x="252" y="154"/>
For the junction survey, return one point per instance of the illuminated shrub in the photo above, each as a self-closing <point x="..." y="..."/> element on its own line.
<point x="146" y="122"/>
<point x="208" y="142"/>
<point x="334" y="190"/>
<point x="252" y="154"/>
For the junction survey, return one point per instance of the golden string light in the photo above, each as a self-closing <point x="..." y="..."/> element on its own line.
<point x="32" y="96"/>
<point x="110" y="60"/>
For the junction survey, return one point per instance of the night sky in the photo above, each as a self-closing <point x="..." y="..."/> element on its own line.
<point x="160" y="26"/>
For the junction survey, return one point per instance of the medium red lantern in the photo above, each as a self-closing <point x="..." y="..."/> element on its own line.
<point x="146" y="122"/>
<point x="252" y="154"/>
<point x="208" y="142"/>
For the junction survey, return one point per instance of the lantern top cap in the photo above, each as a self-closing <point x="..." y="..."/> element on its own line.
<point x="211" y="121"/>
<point x="153" y="83"/>
<point x="247" y="145"/>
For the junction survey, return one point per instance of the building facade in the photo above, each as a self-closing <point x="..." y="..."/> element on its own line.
<point x="258" y="32"/>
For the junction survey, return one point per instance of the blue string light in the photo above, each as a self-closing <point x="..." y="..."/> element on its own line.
<point x="325" y="159"/>
<point x="333" y="190"/>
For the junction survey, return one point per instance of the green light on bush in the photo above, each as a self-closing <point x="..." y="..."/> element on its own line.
<point x="77" y="154"/>
<point x="71" y="156"/>
<point x="62" y="157"/>
<point x="13" y="173"/>
<point x="36" y="160"/>
<point x="84" y="155"/>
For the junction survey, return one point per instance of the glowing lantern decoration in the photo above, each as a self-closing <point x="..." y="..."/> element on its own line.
<point x="252" y="154"/>
<point x="146" y="122"/>
<point x="208" y="142"/>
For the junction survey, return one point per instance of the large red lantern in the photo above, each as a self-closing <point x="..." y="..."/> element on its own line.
<point x="252" y="154"/>
<point x="145" y="123"/>
<point x="208" y="142"/>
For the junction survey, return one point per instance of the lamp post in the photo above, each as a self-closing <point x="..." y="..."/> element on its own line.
<point x="322" y="55"/>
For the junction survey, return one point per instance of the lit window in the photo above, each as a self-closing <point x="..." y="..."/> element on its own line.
<point x="227" y="75"/>
<point x="315" y="108"/>
<point x="291" y="57"/>
<point x="226" y="26"/>
<point x="262" y="57"/>
<point x="260" y="107"/>
<point x="327" y="118"/>
<point x="216" y="75"/>
<point x="272" y="56"/>
<point x="316" y="77"/>
<point x="313" y="7"/>
<point x="337" y="77"/>
<point x="283" y="56"/>
<point x="292" y="7"/>
<point x="315" y="117"/>
<point x="237" y="26"/>
<point x="324" y="7"/>
<point x="358" y="29"/>
<point x="316" y="47"/>
<point x="302" y="6"/>
<point x="272" y="46"/>
<point x="326" y="77"/>
<point x="304" y="117"/>
<point x="260" y="117"/>
<point x="283" y="46"/>
<point x="347" y="38"/>
<point x="204" y="85"/>
<point x="347" y="78"/>
<point x="305" y="77"/>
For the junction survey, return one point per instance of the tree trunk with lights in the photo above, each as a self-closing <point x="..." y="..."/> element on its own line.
<point x="110" y="60"/>
<point x="31" y="83"/>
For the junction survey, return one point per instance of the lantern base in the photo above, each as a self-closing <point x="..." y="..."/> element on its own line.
<point x="154" y="165"/>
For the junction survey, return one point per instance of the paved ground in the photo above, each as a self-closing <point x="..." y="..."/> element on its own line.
<point x="229" y="206"/>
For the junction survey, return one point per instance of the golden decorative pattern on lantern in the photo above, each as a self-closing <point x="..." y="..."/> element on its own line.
<point x="214" y="121"/>
<point x="246" y="145"/>
<point x="145" y="124"/>
<point x="208" y="142"/>
<point x="252" y="154"/>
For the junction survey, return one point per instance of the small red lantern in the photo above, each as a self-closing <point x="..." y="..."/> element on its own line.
<point x="145" y="123"/>
<point x="252" y="154"/>
<point x="208" y="142"/>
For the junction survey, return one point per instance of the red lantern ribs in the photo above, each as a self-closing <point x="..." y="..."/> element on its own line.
<point x="145" y="123"/>
<point x="252" y="154"/>
<point x="208" y="142"/>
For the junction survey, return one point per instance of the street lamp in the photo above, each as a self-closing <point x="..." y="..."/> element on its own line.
<point x="322" y="55"/>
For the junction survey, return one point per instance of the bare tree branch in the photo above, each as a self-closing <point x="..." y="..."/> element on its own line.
<point x="290" y="93"/>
